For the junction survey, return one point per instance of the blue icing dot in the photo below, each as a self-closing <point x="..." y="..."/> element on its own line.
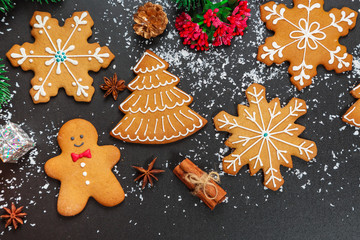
<point x="266" y="134"/>
<point x="57" y="60"/>
<point x="64" y="57"/>
<point x="58" y="52"/>
<point x="63" y="53"/>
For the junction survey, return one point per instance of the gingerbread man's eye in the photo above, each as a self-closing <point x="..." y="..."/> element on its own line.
<point x="72" y="138"/>
<point x="81" y="136"/>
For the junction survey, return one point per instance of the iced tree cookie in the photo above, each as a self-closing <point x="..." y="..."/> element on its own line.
<point x="265" y="136"/>
<point x="306" y="36"/>
<point x="352" y="115"/>
<point x="157" y="111"/>
<point x="84" y="169"/>
<point x="61" y="57"/>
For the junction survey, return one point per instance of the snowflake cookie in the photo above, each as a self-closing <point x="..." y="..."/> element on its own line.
<point x="306" y="36"/>
<point x="265" y="136"/>
<point x="352" y="115"/>
<point x="61" y="57"/>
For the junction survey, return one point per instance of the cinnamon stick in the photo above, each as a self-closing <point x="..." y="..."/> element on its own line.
<point x="187" y="166"/>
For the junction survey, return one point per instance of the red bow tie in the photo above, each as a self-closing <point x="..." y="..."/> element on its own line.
<point x="86" y="154"/>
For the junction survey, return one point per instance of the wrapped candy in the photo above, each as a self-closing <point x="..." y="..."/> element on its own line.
<point x="14" y="142"/>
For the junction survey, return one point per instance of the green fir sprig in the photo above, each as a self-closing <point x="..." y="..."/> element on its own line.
<point x="5" y="94"/>
<point x="189" y="5"/>
<point x="7" y="5"/>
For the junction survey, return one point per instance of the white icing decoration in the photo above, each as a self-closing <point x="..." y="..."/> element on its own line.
<point x="161" y="65"/>
<point x="164" y="138"/>
<point x="87" y="182"/>
<point x="308" y="35"/>
<point x="82" y="164"/>
<point x="74" y="84"/>
<point x="84" y="174"/>
<point x="265" y="134"/>
<point x="49" y="84"/>
<point x="58" y="55"/>
<point x="40" y="79"/>
<point x="30" y="60"/>
<point x="351" y="119"/>
<point x="164" y="107"/>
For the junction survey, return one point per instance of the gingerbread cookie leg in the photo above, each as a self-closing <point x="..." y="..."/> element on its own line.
<point x="71" y="200"/>
<point x="110" y="195"/>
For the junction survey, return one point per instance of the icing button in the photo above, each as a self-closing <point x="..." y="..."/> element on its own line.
<point x="87" y="182"/>
<point x="82" y="164"/>
<point x="84" y="174"/>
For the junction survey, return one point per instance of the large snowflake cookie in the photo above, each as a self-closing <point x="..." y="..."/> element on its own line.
<point x="61" y="57"/>
<point x="306" y="36"/>
<point x="265" y="136"/>
<point x="352" y="115"/>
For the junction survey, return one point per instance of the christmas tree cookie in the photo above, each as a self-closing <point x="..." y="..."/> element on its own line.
<point x="61" y="57"/>
<point x="352" y="115"/>
<point x="157" y="111"/>
<point x="306" y="36"/>
<point x="265" y="136"/>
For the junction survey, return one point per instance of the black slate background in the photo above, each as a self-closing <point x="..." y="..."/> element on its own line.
<point x="321" y="204"/>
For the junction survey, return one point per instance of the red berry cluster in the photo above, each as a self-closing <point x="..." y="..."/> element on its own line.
<point x="213" y="25"/>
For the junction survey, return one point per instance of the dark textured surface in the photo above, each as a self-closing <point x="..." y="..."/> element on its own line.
<point x="319" y="200"/>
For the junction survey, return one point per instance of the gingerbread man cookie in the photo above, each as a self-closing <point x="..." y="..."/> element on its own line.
<point x="84" y="169"/>
<point x="61" y="57"/>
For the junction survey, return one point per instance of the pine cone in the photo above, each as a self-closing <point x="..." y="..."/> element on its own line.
<point x="150" y="20"/>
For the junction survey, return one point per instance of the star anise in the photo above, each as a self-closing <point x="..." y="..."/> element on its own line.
<point x="113" y="86"/>
<point x="148" y="174"/>
<point x="14" y="216"/>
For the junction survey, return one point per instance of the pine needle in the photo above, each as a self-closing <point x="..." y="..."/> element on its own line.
<point x="188" y="4"/>
<point x="5" y="94"/>
<point x="5" y="5"/>
<point x="46" y="1"/>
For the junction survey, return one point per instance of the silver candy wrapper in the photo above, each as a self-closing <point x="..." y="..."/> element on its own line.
<point x="14" y="142"/>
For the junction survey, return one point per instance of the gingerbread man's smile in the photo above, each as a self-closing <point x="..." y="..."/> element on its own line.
<point x="79" y="145"/>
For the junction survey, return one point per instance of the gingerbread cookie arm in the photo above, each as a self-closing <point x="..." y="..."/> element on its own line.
<point x="54" y="167"/>
<point x="112" y="155"/>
